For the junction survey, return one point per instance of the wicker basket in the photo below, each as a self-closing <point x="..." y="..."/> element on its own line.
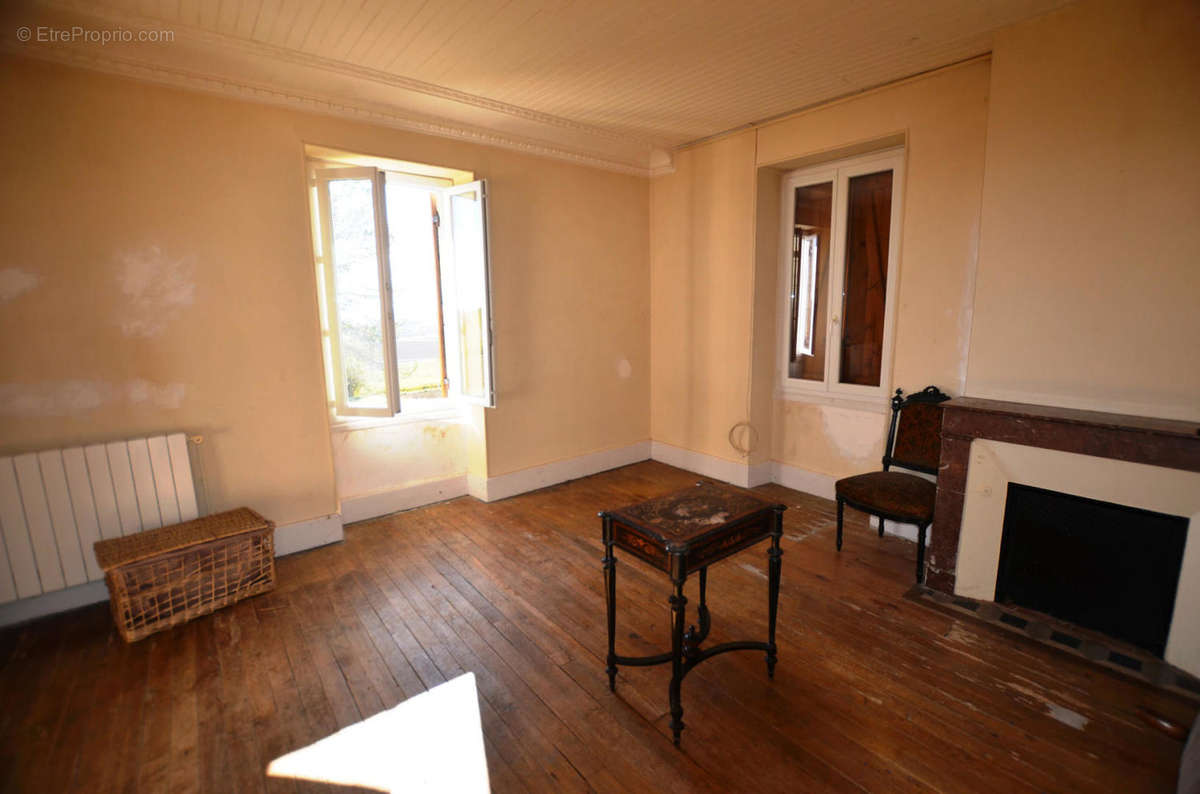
<point x="163" y="577"/>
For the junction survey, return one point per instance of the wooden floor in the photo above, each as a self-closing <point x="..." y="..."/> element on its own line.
<point x="873" y="692"/>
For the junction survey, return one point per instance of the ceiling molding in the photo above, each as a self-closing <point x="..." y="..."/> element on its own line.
<point x="621" y="85"/>
<point x="298" y="58"/>
<point x="271" y="95"/>
<point x="214" y="63"/>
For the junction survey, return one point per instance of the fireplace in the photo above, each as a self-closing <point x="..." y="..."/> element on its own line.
<point x="1096" y="564"/>
<point x="1138" y="463"/>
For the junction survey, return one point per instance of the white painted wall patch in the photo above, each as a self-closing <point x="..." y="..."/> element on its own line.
<point x="15" y="282"/>
<point x="167" y="395"/>
<point x="81" y="397"/>
<point x="157" y="285"/>
<point x="54" y="398"/>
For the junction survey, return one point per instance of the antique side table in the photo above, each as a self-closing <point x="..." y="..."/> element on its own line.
<point x="680" y="533"/>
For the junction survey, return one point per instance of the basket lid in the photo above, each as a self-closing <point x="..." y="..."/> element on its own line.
<point x="115" y="552"/>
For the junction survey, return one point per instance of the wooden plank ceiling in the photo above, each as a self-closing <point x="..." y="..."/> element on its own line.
<point x="661" y="73"/>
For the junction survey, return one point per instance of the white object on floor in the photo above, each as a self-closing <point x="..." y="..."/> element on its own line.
<point x="430" y="742"/>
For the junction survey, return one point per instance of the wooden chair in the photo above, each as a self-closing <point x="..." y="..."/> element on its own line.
<point x="914" y="442"/>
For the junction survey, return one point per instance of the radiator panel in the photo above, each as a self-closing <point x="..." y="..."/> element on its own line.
<point x="21" y="570"/>
<point x="55" y="504"/>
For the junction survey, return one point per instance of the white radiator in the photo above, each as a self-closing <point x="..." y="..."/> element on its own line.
<point x="55" y="504"/>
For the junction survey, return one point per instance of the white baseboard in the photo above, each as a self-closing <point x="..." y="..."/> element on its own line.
<point x="360" y="508"/>
<point x="49" y="603"/>
<point x="302" y="535"/>
<point x="738" y="473"/>
<point x="810" y="482"/>
<point x="906" y="531"/>
<point x="759" y="474"/>
<point x="477" y="487"/>
<point x="289" y="538"/>
<point x="525" y="480"/>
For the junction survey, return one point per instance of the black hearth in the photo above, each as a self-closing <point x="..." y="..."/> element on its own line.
<point x="1103" y="566"/>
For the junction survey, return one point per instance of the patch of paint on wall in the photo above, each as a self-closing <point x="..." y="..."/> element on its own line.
<point x="60" y="398"/>
<point x="81" y="397"/>
<point x="15" y="282"/>
<point x="854" y="434"/>
<point x="157" y="285"/>
<point x="168" y="395"/>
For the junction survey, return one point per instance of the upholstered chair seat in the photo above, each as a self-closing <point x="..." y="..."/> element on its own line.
<point x="895" y="492"/>
<point x="914" y="442"/>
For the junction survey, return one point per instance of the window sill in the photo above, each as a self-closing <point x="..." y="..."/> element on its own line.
<point x="451" y="413"/>
<point x="880" y="404"/>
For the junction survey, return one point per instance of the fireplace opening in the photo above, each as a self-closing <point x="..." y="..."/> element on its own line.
<point x="1099" y="565"/>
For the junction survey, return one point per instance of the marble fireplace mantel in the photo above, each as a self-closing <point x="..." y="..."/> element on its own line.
<point x="1164" y="443"/>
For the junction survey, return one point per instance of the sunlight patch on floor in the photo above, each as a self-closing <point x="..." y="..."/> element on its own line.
<point x="430" y="742"/>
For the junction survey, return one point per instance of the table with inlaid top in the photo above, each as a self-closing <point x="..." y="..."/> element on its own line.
<point x="680" y="534"/>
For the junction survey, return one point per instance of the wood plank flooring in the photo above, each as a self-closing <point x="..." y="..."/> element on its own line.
<point x="873" y="692"/>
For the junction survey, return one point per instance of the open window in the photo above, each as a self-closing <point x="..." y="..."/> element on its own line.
<point x="405" y="280"/>
<point x="841" y="224"/>
<point x="464" y="232"/>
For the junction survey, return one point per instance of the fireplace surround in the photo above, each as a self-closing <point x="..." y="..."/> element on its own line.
<point x="1145" y="463"/>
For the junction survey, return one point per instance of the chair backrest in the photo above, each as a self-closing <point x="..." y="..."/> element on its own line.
<point x="915" y="435"/>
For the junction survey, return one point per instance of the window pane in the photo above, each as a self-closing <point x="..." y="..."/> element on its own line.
<point x="868" y="227"/>
<point x="810" y="281"/>
<point x="416" y="294"/>
<point x="356" y="286"/>
<point x="471" y="290"/>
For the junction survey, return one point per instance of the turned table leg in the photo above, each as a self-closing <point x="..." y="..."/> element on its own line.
<point x="773" y="569"/>
<point x="610" y="602"/>
<point x="678" y="603"/>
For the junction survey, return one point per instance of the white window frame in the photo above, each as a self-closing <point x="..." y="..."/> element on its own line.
<point x="322" y="177"/>
<point x="320" y="174"/>
<point x="450" y="264"/>
<point x="839" y="173"/>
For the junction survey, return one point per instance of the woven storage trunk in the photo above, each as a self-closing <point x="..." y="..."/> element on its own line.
<point x="163" y="577"/>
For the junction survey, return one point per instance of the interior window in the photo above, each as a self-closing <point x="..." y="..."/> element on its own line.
<point x="837" y="264"/>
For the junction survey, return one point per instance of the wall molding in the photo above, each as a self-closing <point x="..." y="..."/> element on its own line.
<point x="382" y="503"/>
<point x="798" y="479"/>
<point x="906" y="531"/>
<point x="289" y="539"/>
<point x="525" y="480"/>
<point x="24" y="609"/>
<point x="304" y="535"/>
<point x="745" y="475"/>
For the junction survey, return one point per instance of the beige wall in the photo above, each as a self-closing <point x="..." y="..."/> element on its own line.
<point x="151" y="232"/>
<point x="712" y="245"/>
<point x="380" y="459"/>
<point x="571" y="301"/>
<point x="1089" y="269"/>
<point x="1081" y="292"/>
<point x="702" y="277"/>
<point x="174" y="290"/>
<point x="158" y="275"/>
<point x="943" y="119"/>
